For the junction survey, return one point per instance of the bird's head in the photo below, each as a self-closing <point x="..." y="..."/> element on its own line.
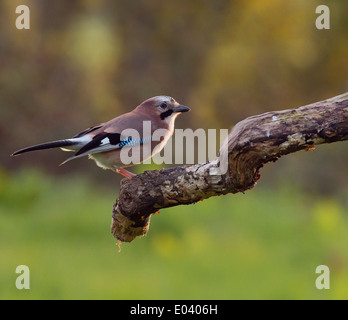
<point x="162" y="108"/>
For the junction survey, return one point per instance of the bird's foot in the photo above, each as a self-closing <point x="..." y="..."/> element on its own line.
<point x="124" y="172"/>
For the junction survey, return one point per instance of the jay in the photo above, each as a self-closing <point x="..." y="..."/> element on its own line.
<point x="103" y="143"/>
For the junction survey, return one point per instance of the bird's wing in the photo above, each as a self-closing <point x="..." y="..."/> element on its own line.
<point x="105" y="141"/>
<point x="89" y="130"/>
<point x="107" y="136"/>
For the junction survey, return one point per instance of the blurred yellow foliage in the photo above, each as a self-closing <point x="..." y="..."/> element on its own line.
<point x="328" y="215"/>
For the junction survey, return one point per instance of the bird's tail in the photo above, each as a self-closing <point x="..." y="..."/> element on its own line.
<point x="48" y="145"/>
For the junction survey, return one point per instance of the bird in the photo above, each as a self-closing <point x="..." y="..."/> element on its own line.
<point x="103" y="143"/>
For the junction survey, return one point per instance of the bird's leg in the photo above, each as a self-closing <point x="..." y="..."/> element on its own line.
<point x="124" y="172"/>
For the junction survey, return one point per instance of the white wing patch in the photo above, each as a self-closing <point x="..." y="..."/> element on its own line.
<point x="105" y="141"/>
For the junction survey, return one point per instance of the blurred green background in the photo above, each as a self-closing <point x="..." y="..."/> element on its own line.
<point x="84" y="62"/>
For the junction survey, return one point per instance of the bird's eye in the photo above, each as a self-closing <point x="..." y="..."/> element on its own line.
<point x="163" y="105"/>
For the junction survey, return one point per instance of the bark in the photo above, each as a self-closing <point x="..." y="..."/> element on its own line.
<point x="251" y="144"/>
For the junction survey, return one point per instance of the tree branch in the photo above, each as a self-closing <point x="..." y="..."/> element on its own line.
<point x="252" y="143"/>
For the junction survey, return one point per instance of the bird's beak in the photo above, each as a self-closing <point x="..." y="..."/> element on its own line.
<point x="181" y="108"/>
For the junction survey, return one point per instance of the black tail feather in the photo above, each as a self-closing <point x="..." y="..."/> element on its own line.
<point x="48" y="145"/>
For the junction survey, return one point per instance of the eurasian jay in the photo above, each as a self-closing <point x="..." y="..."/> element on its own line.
<point x="103" y="143"/>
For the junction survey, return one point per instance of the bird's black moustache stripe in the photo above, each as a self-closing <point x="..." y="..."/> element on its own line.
<point x="166" y="114"/>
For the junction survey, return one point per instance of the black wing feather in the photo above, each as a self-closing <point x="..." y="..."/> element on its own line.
<point x="114" y="138"/>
